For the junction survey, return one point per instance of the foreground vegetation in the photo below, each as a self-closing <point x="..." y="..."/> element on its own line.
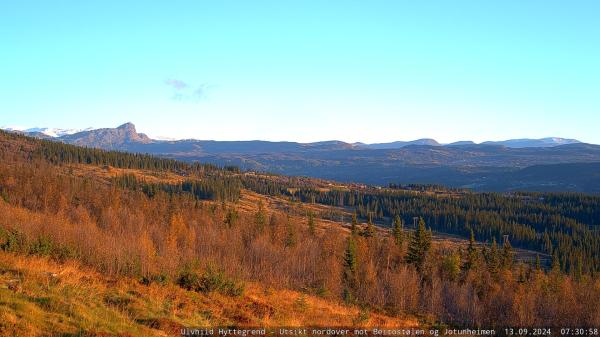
<point x="224" y="242"/>
<point x="40" y="297"/>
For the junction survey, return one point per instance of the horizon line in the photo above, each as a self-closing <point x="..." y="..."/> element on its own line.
<point x="156" y="137"/>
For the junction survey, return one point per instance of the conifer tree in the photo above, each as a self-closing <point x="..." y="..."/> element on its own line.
<point x="290" y="236"/>
<point x="507" y="255"/>
<point x="231" y="217"/>
<point x="369" y="231"/>
<point x="311" y="223"/>
<point x="555" y="263"/>
<point x="522" y="278"/>
<point x="578" y="270"/>
<point x="471" y="258"/>
<point x="450" y="266"/>
<point x="354" y="228"/>
<point x="260" y="218"/>
<point x="419" y="246"/>
<point x="398" y="234"/>
<point x="350" y="269"/>
<point x="492" y="258"/>
<point x="547" y="243"/>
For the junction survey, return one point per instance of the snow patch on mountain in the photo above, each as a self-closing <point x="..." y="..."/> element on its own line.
<point x="51" y="132"/>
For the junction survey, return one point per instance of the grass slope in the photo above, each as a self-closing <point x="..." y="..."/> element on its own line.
<point x="39" y="297"/>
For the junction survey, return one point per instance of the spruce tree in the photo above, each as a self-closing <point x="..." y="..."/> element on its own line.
<point x="419" y="246"/>
<point x="555" y="263"/>
<point x="311" y="223"/>
<point x="547" y="243"/>
<point x="507" y="255"/>
<point x="578" y="270"/>
<point x="290" y="235"/>
<point x="369" y="231"/>
<point x="450" y="266"/>
<point x="398" y="234"/>
<point x="354" y="227"/>
<point x="522" y="278"/>
<point x="471" y="258"/>
<point x="260" y="218"/>
<point x="492" y="258"/>
<point x="231" y="218"/>
<point x="350" y="268"/>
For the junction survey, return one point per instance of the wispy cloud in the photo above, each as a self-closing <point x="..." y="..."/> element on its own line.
<point x="200" y="90"/>
<point x="184" y="91"/>
<point x="176" y="84"/>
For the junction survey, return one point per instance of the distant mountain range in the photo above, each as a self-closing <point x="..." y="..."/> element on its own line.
<point x="49" y="132"/>
<point x="548" y="164"/>
<point x="399" y="144"/>
<point x="109" y="136"/>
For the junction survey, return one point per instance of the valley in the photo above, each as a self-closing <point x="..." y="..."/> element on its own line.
<point x="243" y="248"/>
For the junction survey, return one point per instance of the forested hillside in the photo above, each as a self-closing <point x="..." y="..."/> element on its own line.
<point x="217" y="231"/>
<point x="565" y="225"/>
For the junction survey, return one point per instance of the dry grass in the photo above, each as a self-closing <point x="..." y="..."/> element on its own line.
<point x="105" y="173"/>
<point x="39" y="297"/>
<point x="297" y="212"/>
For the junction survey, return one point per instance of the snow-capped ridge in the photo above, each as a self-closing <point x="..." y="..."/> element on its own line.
<point x="51" y="132"/>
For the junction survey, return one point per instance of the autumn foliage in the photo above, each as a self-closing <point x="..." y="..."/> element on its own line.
<point x="171" y="236"/>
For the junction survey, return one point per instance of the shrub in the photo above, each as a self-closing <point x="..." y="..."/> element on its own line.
<point x="17" y="242"/>
<point x="301" y="304"/>
<point x="161" y="279"/>
<point x="117" y="300"/>
<point x="12" y="241"/>
<point x="211" y="280"/>
<point x="189" y="280"/>
<point x="4" y="196"/>
<point x="42" y="246"/>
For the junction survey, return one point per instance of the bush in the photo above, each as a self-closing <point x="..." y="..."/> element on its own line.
<point x="189" y="280"/>
<point x="300" y="303"/>
<point x="17" y="242"/>
<point x="12" y="241"/>
<point x="42" y="246"/>
<point x="4" y="196"/>
<point x="211" y="280"/>
<point x="161" y="279"/>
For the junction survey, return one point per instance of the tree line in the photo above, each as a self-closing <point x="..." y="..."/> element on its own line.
<point x="224" y="188"/>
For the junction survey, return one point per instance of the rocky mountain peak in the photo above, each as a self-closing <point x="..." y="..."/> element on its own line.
<point x="127" y="126"/>
<point x="108" y="138"/>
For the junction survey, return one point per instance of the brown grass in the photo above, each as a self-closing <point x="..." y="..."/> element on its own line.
<point x="40" y="297"/>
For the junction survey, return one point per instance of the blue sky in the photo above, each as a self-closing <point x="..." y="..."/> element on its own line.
<point x="370" y="71"/>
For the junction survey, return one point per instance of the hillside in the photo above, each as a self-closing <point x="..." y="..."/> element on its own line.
<point x="40" y="297"/>
<point x="489" y="166"/>
<point x="270" y="250"/>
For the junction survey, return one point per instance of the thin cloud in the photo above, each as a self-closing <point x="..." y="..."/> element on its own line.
<point x="200" y="91"/>
<point x="186" y="92"/>
<point x="176" y="84"/>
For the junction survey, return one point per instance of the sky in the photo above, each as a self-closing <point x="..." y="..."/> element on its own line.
<point x="370" y="71"/>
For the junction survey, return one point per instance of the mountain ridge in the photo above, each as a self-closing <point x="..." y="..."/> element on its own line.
<point x="108" y="138"/>
<point x="490" y="166"/>
<point x="71" y="134"/>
